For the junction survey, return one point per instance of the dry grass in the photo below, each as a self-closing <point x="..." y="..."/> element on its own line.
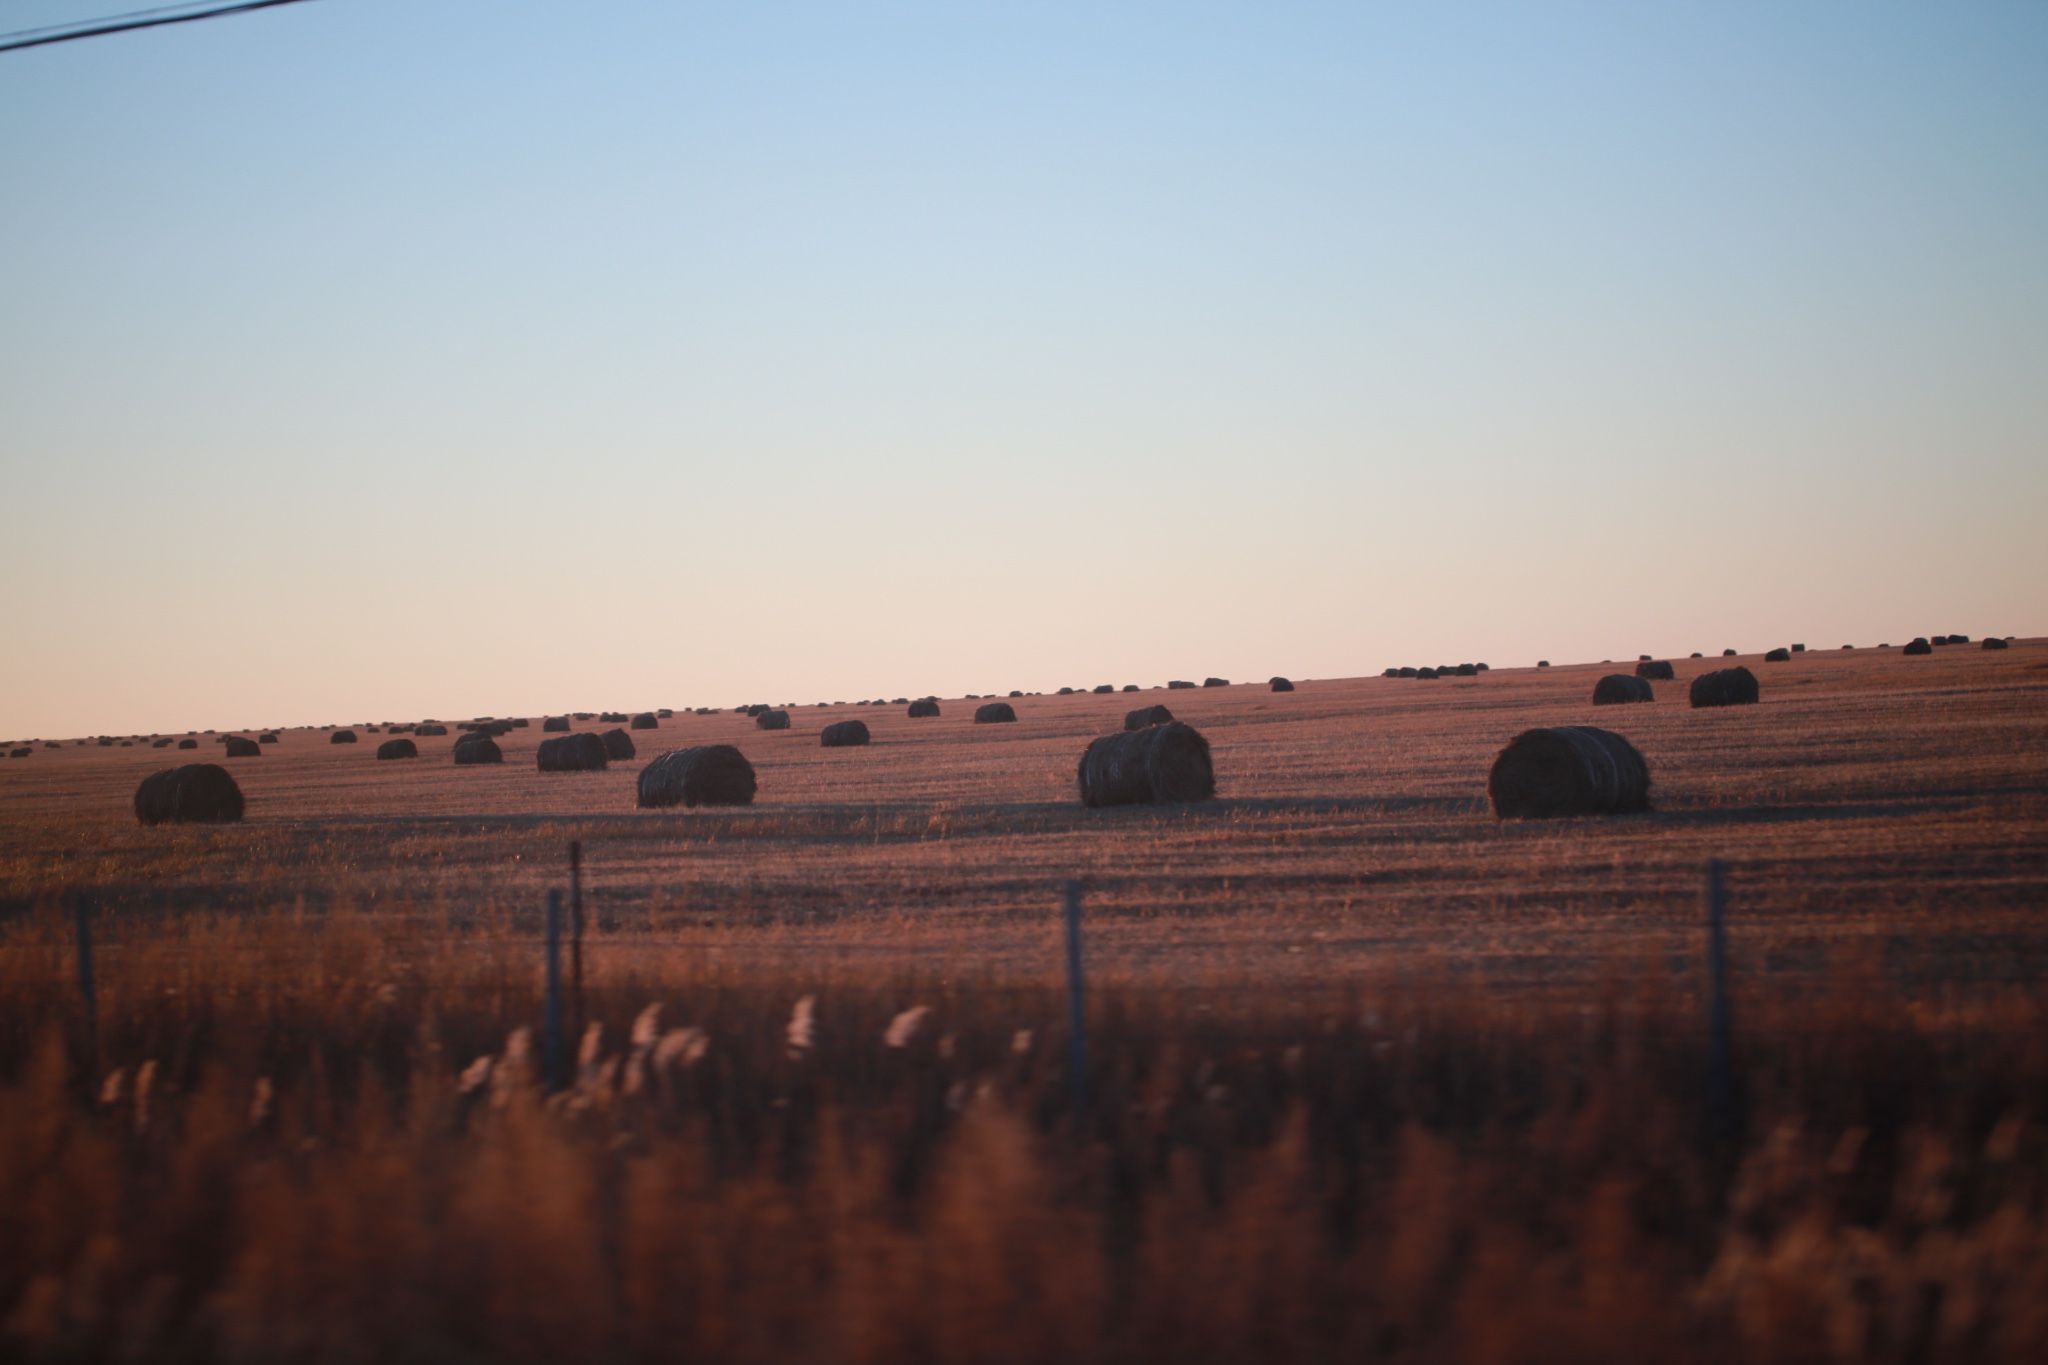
<point x="1376" y="1077"/>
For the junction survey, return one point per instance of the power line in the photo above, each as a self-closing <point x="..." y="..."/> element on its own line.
<point x="122" y="23"/>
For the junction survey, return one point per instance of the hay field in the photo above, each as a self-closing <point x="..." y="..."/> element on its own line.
<point x="1871" y="803"/>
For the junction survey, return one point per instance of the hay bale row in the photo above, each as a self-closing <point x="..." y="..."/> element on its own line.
<point x="1725" y="687"/>
<point x="580" y="753"/>
<point x="845" y="734"/>
<point x="707" y="775"/>
<point x="198" y="793"/>
<point x="1618" y="688"/>
<point x="1157" y="765"/>
<point x="1568" y="770"/>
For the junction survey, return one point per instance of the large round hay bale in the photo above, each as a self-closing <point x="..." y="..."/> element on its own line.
<point x="646" y="721"/>
<point x="618" y="745"/>
<point x="1425" y="673"/>
<point x="845" y="734"/>
<point x="342" y="737"/>
<point x="611" y="718"/>
<point x="1152" y="766"/>
<point x="1778" y="656"/>
<point x="400" y="748"/>
<point x="994" y="713"/>
<point x="772" y="720"/>
<point x="578" y="753"/>
<point x="1656" y="670"/>
<point x="1147" y="716"/>
<point x="1919" y="646"/>
<point x="239" y="746"/>
<point x="427" y="729"/>
<point x="477" y="747"/>
<point x="267" y="737"/>
<point x="1568" y="770"/>
<point x="21" y="751"/>
<point x="159" y="744"/>
<point x="198" y="793"/>
<point x="708" y="775"/>
<point x="1215" y="682"/>
<point x="1725" y="687"/>
<point x="922" y="708"/>
<point x="555" y="725"/>
<point x="182" y="744"/>
<point x="1617" y="688"/>
<point x="1993" y="642"/>
<point x="1280" y="684"/>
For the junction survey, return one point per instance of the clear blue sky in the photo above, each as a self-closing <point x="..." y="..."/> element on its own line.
<point x="364" y="359"/>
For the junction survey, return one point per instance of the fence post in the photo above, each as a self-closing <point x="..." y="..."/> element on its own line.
<point x="551" y="1039"/>
<point x="1077" y="1023"/>
<point x="88" y="986"/>
<point x="1720" y="1081"/>
<point x="576" y="928"/>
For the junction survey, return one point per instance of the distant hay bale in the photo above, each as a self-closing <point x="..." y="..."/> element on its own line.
<point x="994" y="713"/>
<point x="772" y="720"/>
<point x="1279" y="684"/>
<point x="646" y="721"/>
<point x="1015" y="692"/>
<point x="1993" y="642"/>
<point x="1543" y="663"/>
<point x="1407" y="672"/>
<point x="1725" y="687"/>
<point x="555" y="725"/>
<point x="399" y="748"/>
<point x="1697" y="655"/>
<point x="520" y="723"/>
<point x="1468" y="670"/>
<point x="182" y="744"/>
<point x="267" y="737"/>
<point x="1178" y="684"/>
<point x="611" y="718"/>
<point x="1425" y="673"/>
<point x="1959" y="639"/>
<point x="1066" y="692"/>
<point x="1778" y="656"/>
<point x="1130" y="687"/>
<point x="1105" y="687"/>
<point x="922" y="708"/>
<point x="1919" y="646"/>
<point x="1799" y="649"/>
<point x="160" y="744"/>
<point x="1157" y="765"/>
<point x="1146" y="716"/>
<point x="579" y="753"/>
<point x="1568" y="770"/>
<point x="1215" y="682"/>
<point x="1617" y="688"/>
<point x="845" y="734"/>
<point x="708" y="775"/>
<point x="239" y="746"/>
<point x="1727" y="653"/>
<point x="429" y="730"/>
<point x="585" y="715"/>
<point x="477" y="748"/>
<point x="198" y="793"/>
<point x="1656" y="670"/>
<point x="664" y="713"/>
<point x="618" y="745"/>
<point x="342" y="737"/>
<point x="20" y="751"/>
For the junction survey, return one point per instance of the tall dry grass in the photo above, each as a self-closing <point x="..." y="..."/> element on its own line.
<point x="322" y="1138"/>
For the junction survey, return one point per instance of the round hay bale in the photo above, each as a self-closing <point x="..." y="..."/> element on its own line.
<point x="1799" y="649"/>
<point x="1104" y="687"/>
<point x="1778" y="656"/>
<point x="1959" y="639"/>
<point x="845" y="734"/>
<point x="241" y="747"/>
<point x="1153" y="766"/>
<point x="182" y="744"/>
<point x="1425" y="673"/>
<point x="1147" y="716"/>
<point x="1280" y="684"/>
<point x="554" y="725"/>
<point x="1656" y="670"/>
<point x="579" y="753"/>
<point x="160" y="744"/>
<point x="1697" y="655"/>
<point x="618" y="745"/>
<point x="342" y="737"/>
<point x="477" y="747"/>
<point x="1993" y="642"/>
<point x="611" y="718"/>
<point x="20" y="751"/>
<point x="923" y="708"/>
<point x="400" y="748"/>
<point x="1543" y="663"/>
<point x="1178" y="684"/>
<point x="427" y="730"/>
<point x="772" y="720"/>
<point x="268" y="737"/>
<point x="646" y="721"/>
<point x="994" y="713"/>
<point x="1616" y="688"/>
<point x="1727" y="653"/>
<point x="1725" y="687"/>
<point x="1215" y="682"/>
<point x="1919" y="646"/>
<point x="1066" y="692"/>
<point x="1015" y="692"/>
<point x="1407" y="672"/>
<point x="1468" y="670"/>
<point x="198" y="793"/>
<point x="1130" y="687"/>
<point x="1568" y="770"/>
<point x="708" y="775"/>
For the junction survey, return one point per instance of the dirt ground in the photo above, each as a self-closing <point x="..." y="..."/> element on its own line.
<point x="1874" y="809"/>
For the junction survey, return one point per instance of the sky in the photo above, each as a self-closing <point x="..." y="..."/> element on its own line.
<point x="367" y="360"/>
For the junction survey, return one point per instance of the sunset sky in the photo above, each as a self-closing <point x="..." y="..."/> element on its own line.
<point x="363" y="359"/>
